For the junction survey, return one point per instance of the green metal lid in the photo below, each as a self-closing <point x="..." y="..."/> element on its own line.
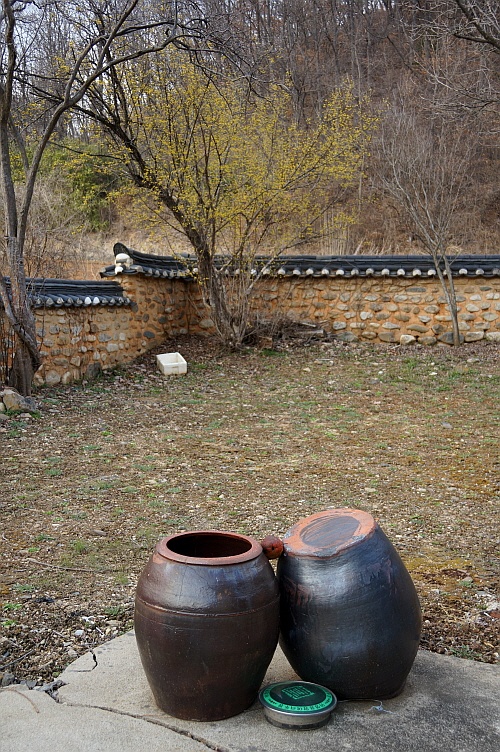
<point x="297" y="704"/>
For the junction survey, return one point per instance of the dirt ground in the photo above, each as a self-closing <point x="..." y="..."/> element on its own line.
<point x="249" y="442"/>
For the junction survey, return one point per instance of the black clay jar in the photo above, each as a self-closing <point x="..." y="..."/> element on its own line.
<point x="206" y="623"/>
<point x="350" y="615"/>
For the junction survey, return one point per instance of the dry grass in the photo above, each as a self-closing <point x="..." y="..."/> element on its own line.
<point x="249" y="442"/>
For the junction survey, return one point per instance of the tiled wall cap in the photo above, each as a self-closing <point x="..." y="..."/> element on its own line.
<point x="69" y="293"/>
<point x="415" y="265"/>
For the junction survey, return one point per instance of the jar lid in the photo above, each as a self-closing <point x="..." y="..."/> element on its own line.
<point x="297" y="704"/>
<point x="328" y="533"/>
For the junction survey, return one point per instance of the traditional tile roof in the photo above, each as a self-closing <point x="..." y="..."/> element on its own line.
<point x="129" y="261"/>
<point x="150" y="265"/>
<point x="60" y="293"/>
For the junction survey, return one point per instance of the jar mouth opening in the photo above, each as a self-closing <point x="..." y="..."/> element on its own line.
<point x="209" y="547"/>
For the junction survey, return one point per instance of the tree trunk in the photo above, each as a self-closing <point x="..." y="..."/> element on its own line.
<point x="449" y="292"/>
<point x="214" y="296"/>
<point x="27" y="358"/>
<point x="452" y="303"/>
<point x="230" y="328"/>
<point x="22" y="370"/>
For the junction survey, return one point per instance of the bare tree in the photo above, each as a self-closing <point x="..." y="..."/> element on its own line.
<point x="464" y="65"/>
<point x="35" y="94"/>
<point x="451" y="46"/>
<point x="423" y="163"/>
<point x="480" y="22"/>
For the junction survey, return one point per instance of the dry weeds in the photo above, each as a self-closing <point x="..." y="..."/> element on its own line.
<point x="249" y="442"/>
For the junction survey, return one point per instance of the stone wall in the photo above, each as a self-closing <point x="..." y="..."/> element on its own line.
<point x="165" y="308"/>
<point x="377" y="309"/>
<point x="385" y="309"/>
<point x="77" y="342"/>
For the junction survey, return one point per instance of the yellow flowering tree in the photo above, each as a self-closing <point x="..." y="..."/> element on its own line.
<point x="236" y="173"/>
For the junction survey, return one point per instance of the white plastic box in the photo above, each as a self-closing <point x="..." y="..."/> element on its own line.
<point x="171" y="364"/>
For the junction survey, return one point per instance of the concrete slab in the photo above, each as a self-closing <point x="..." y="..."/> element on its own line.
<point x="31" y="720"/>
<point x="449" y="705"/>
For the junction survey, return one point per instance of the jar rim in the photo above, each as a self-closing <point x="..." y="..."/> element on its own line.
<point x="328" y="533"/>
<point x="209" y="548"/>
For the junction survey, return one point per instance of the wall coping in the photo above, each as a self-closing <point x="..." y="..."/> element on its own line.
<point x="68" y="293"/>
<point x="129" y="261"/>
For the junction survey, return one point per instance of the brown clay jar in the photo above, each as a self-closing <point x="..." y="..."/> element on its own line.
<point x="206" y="623"/>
